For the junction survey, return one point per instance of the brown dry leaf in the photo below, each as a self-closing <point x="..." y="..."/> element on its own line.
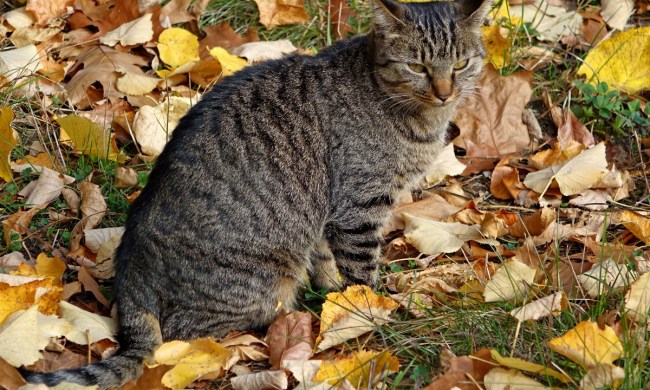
<point x="280" y="12"/>
<point x="125" y="177"/>
<point x="10" y="378"/>
<point x="605" y="276"/>
<point x="549" y="305"/>
<point x="493" y="120"/>
<point x="603" y="376"/>
<point x="465" y="371"/>
<point x="246" y="348"/>
<point x="102" y="20"/>
<point x="637" y="299"/>
<point x="445" y="164"/>
<point x="20" y="62"/>
<point x="572" y="177"/>
<point x="534" y="225"/>
<point x="18" y="223"/>
<point x="557" y="155"/>
<point x="511" y="282"/>
<point x="433" y="206"/>
<point x="150" y="379"/>
<point x="55" y="361"/>
<point x="46" y="10"/>
<point x="93" y="205"/>
<point x="361" y="369"/>
<point x="90" y="284"/>
<point x="616" y="12"/>
<point x="176" y="11"/>
<point x="223" y="35"/>
<point x="571" y="129"/>
<point x="638" y="224"/>
<point x="588" y="345"/>
<point x="289" y="338"/>
<point x="350" y="314"/>
<point x="505" y="183"/>
<point x="527" y="366"/>
<point x="501" y="379"/>
<point x="48" y="187"/>
<point x="260" y="380"/>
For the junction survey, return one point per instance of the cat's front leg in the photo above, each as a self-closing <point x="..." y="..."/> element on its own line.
<point x="356" y="247"/>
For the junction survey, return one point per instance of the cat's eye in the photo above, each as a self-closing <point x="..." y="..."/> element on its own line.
<point x="418" y="68"/>
<point x="461" y="64"/>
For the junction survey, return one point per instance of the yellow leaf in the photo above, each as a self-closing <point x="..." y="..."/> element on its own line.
<point x="638" y="224"/>
<point x="229" y="63"/>
<point x="87" y="137"/>
<point x="52" y="267"/>
<point x="88" y="327"/>
<point x="177" y="47"/>
<point x="501" y="379"/>
<point x="136" y="84"/>
<point x="511" y="281"/>
<point x="498" y="46"/>
<point x="622" y="61"/>
<point x="20" y="297"/>
<point x="350" y="314"/>
<point x="357" y="368"/>
<point x="588" y="345"/>
<point x="48" y="303"/>
<point x="523" y="365"/>
<point x="637" y="300"/>
<point x="190" y="360"/>
<point x="7" y="142"/>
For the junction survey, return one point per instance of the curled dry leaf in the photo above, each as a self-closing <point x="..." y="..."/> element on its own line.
<point x="543" y="307"/>
<point x="48" y="187"/>
<point x="264" y="51"/>
<point x="19" y="18"/>
<point x="501" y="379"/>
<point x="350" y="314"/>
<point x="622" y="61"/>
<point x="91" y="285"/>
<point x="603" y="376"/>
<point x="245" y="347"/>
<point x="8" y="142"/>
<point x="511" y="281"/>
<point x="280" y="12"/>
<point x="524" y="365"/>
<point x="135" y="32"/>
<point x="616" y="12"/>
<point x="362" y="369"/>
<point x="588" y="345"/>
<point x="638" y="224"/>
<point x="191" y="360"/>
<point x="637" y="300"/>
<point x="433" y="206"/>
<point x="21" y="62"/>
<point x="603" y="277"/>
<point x="572" y="177"/>
<point x="304" y="371"/>
<point x="46" y="10"/>
<point x="93" y="205"/>
<point x="125" y="177"/>
<point x="460" y="368"/>
<point x="445" y="164"/>
<point x="10" y="378"/>
<point x="95" y="238"/>
<point x="433" y="237"/>
<point x="289" y="338"/>
<point x="260" y="380"/>
<point x="18" y="223"/>
<point x="533" y="225"/>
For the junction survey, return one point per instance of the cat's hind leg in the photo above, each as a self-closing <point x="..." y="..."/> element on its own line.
<point x="324" y="274"/>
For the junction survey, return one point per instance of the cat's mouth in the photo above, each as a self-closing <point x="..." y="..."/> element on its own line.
<point x="433" y="101"/>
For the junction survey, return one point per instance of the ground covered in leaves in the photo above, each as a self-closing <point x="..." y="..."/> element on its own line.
<point x="522" y="260"/>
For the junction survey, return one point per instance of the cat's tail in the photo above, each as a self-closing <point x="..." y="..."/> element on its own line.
<point x="139" y="337"/>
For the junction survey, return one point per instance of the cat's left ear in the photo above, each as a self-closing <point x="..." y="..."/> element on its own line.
<point x="473" y="12"/>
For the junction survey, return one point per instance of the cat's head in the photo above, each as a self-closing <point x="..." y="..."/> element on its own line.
<point x="429" y="54"/>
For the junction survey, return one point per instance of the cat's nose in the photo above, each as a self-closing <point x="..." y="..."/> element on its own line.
<point x="442" y="88"/>
<point x="443" y="96"/>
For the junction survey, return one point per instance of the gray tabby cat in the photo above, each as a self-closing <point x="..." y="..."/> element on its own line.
<point x="286" y="168"/>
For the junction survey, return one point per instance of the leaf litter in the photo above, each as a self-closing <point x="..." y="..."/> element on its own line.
<point x="130" y="76"/>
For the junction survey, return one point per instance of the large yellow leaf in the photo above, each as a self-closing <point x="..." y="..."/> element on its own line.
<point x="588" y="345"/>
<point x="7" y="142"/>
<point x="178" y="47"/>
<point x="357" y="369"/>
<point x="88" y="137"/>
<point x="229" y="63"/>
<point x="638" y="224"/>
<point x="498" y="46"/>
<point x="14" y="298"/>
<point x="51" y="267"/>
<point x="190" y="360"/>
<point x="622" y="61"/>
<point x="350" y="314"/>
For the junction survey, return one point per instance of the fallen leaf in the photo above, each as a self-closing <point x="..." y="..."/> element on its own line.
<point x="178" y="47"/>
<point x="93" y="205"/>
<point x="574" y="176"/>
<point x="88" y="327"/>
<point x="535" y="224"/>
<point x="571" y="129"/>
<point x="511" y="282"/>
<point x="246" y="348"/>
<point x="432" y="237"/>
<point x="10" y="378"/>
<point x="304" y="371"/>
<point x="33" y="35"/>
<point x="55" y="361"/>
<point x="95" y="238"/>
<point x="18" y="223"/>
<point x="357" y="369"/>
<point x="550" y="21"/>
<point x="445" y="164"/>
<point x="135" y="32"/>
<point x="505" y="183"/>
<point x="637" y="299"/>
<point x="605" y="276"/>
<point x="527" y="366"/>
<point x="19" y="18"/>
<point x="229" y="63"/>
<point x="588" y="345"/>
<point x="350" y="314"/>
<point x="51" y="267"/>
<point x="176" y="11"/>
<point x="264" y="51"/>
<point x="493" y="120"/>
<point x="18" y="63"/>
<point x="136" y="84"/>
<point x="46" y="10"/>
<point x="638" y="224"/>
<point x="622" y="61"/>
<point x="91" y="285"/>
<point x="223" y="35"/>
<point x="260" y="380"/>
<point x="281" y="12"/>
<point x="433" y="206"/>
<point x="464" y="371"/>
<point x="48" y="187"/>
<point x="498" y="47"/>
<point x="125" y="177"/>
<point x="88" y="138"/>
<point x="549" y="305"/>
<point x="150" y="379"/>
<point x="7" y="142"/>
<point x="20" y="296"/>
<point x="289" y="338"/>
<point x="616" y="12"/>
<point x="191" y="360"/>
<point x="501" y="379"/>
<point x="603" y="376"/>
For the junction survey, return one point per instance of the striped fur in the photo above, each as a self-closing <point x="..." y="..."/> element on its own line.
<point x="285" y="168"/>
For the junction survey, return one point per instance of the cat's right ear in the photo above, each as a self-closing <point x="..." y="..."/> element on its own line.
<point x="387" y="13"/>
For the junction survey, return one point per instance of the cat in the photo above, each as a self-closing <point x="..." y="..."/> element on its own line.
<point x="286" y="168"/>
